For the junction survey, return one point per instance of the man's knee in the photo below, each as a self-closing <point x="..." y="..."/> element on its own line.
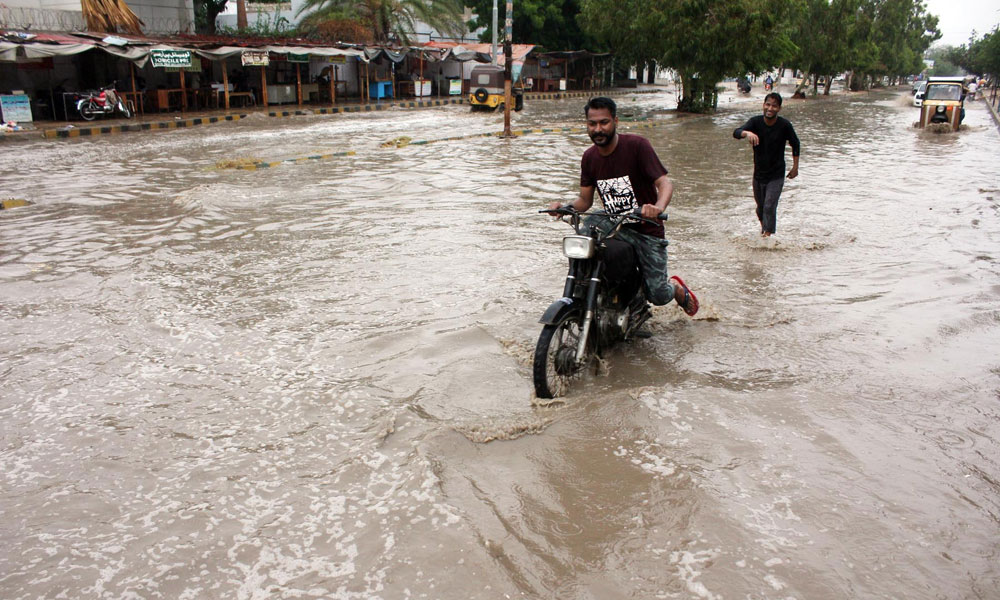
<point x="661" y="295"/>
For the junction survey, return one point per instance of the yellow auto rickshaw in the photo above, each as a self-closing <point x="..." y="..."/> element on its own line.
<point x="487" y="85"/>
<point x="943" y="102"/>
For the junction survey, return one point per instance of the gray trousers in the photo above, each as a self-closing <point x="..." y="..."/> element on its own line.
<point x="766" y="194"/>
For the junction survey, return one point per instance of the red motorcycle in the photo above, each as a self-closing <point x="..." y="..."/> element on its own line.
<point x="104" y="102"/>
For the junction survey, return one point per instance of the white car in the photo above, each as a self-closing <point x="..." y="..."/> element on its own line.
<point x="918" y="97"/>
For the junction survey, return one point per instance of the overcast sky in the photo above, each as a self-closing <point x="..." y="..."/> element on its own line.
<point x="957" y="18"/>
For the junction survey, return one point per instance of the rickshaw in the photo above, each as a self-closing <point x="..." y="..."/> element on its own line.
<point x="943" y="102"/>
<point x="487" y="81"/>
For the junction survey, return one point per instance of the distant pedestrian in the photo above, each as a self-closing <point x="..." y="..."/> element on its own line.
<point x="768" y="134"/>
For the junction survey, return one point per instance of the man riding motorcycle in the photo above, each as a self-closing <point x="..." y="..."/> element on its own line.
<point x="628" y="176"/>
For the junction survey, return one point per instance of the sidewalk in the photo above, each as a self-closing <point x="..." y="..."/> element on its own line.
<point x="159" y="121"/>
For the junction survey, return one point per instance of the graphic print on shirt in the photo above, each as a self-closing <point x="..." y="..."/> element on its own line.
<point x="617" y="195"/>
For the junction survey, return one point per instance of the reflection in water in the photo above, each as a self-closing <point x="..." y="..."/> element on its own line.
<point x="279" y="383"/>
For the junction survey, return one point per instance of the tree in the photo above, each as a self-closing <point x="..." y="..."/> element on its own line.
<point x="550" y="24"/>
<point x="890" y="39"/>
<point x="704" y="40"/>
<point x="980" y="56"/>
<point x="110" y="16"/>
<point x="945" y="60"/>
<point x="823" y="31"/>
<point x="388" y="20"/>
<point x="618" y="26"/>
<point x="205" y="13"/>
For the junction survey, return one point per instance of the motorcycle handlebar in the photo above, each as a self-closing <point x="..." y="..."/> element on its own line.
<point x="569" y="210"/>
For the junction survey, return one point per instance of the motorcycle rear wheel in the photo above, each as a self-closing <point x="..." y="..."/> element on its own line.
<point x="555" y="356"/>
<point x="88" y="110"/>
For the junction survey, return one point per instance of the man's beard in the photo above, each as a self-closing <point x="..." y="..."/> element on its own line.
<point x="607" y="138"/>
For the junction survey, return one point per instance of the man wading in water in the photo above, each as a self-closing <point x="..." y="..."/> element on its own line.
<point x="625" y="171"/>
<point x="767" y="134"/>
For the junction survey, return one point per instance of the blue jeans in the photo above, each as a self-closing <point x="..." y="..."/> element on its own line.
<point x="652" y="254"/>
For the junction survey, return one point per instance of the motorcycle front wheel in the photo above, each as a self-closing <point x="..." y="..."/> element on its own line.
<point x="555" y="356"/>
<point x="88" y="110"/>
<point x="123" y="107"/>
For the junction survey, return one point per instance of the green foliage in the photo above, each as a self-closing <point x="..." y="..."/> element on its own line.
<point x="946" y="60"/>
<point x="872" y="38"/>
<point x="980" y="56"/>
<point x="205" y="13"/>
<point x="704" y="40"/>
<point x="550" y="24"/>
<point x="823" y="30"/>
<point x="620" y="26"/>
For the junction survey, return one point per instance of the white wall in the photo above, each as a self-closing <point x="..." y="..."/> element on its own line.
<point x="159" y="16"/>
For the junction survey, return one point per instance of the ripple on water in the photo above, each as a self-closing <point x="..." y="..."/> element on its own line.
<point x="249" y="383"/>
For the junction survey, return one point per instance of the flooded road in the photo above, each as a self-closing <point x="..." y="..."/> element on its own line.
<point x="313" y="380"/>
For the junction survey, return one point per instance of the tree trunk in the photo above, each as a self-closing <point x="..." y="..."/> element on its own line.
<point x="241" y="14"/>
<point x="651" y="72"/>
<point x="697" y="95"/>
<point x="802" y="86"/>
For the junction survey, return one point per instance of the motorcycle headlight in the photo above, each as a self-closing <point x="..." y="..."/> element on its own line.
<point x="940" y="108"/>
<point x="578" y="246"/>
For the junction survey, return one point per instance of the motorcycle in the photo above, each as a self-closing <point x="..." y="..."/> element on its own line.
<point x="599" y="306"/>
<point x="104" y="102"/>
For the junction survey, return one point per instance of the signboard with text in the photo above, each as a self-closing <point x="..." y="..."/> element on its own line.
<point x="15" y="107"/>
<point x="170" y="58"/>
<point x="255" y="58"/>
<point x="194" y="67"/>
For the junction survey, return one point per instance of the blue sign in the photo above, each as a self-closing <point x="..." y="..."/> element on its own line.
<point x="15" y="107"/>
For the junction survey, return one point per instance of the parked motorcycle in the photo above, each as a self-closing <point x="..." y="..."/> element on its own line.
<point x="599" y="307"/>
<point x="104" y="102"/>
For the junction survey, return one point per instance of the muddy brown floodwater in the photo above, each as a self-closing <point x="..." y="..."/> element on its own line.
<point x="313" y="380"/>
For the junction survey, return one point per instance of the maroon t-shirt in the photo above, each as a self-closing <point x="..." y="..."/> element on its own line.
<point x="624" y="179"/>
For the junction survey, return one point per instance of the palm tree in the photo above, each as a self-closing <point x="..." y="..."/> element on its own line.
<point x="388" y="19"/>
<point x="110" y="16"/>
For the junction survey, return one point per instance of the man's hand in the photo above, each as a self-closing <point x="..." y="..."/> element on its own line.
<point x="751" y="137"/>
<point x="554" y="206"/>
<point x="793" y="173"/>
<point x="650" y="211"/>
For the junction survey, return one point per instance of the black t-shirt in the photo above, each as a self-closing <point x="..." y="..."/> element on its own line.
<point x="769" y="154"/>
<point x="624" y="179"/>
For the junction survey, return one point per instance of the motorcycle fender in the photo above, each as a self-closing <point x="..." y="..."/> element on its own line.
<point x="558" y="309"/>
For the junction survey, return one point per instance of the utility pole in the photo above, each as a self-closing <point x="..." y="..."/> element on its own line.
<point x="508" y="68"/>
<point x="493" y="49"/>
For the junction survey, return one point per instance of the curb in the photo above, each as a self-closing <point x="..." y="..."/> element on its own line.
<point x="96" y="130"/>
<point x="116" y="129"/>
<point x="584" y="94"/>
<point x="438" y="102"/>
<point x="332" y="110"/>
<point x="993" y="113"/>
